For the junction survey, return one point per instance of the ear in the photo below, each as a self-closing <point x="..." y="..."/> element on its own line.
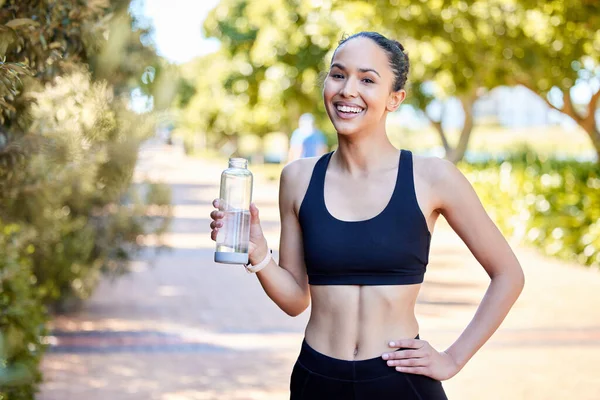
<point x="395" y="99"/>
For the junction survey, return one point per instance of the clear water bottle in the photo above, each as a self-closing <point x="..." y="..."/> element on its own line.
<point x="236" y="195"/>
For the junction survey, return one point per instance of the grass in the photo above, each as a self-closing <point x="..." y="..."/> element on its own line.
<point x="549" y="141"/>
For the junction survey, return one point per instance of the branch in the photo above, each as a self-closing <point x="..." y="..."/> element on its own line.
<point x="589" y="122"/>
<point x="592" y="105"/>
<point x="530" y="87"/>
<point x="568" y="108"/>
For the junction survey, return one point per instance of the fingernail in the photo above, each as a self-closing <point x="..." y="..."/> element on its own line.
<point x="392" y="344"/>
<point x="390" y="363"/>
<point x="385" y="356"/>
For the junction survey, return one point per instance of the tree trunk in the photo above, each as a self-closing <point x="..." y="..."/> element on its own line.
<point x="589" y="124"/>
<point x="440" y="130"/>
<point x="458" y="152"/>
<point x="455" y="154"/>
<point x="594" y="135"/>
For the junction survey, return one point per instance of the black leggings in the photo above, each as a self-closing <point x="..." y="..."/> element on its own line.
<point x="317" y="376"/>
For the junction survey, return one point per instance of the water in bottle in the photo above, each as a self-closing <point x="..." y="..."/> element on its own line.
<point x="236" y="195"/>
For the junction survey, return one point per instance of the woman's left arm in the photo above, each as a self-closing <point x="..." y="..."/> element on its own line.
<point x="458" y="203"/>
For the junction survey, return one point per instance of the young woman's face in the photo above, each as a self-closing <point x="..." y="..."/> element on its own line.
<point x="358" y="89"/>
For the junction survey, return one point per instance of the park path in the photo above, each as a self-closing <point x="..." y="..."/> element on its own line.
<point x="181" y="327"/>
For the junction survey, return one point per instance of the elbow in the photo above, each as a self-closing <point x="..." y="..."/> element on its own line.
<point x="297" y="309"/>
<point x="520" y="279"/>
<point x="516" y="281"/>
<point x="294" y="312"/>
<point x="513" y="281"/>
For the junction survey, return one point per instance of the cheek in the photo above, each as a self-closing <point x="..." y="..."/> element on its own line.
<point x="329" y="90"/>
<point x="375" y="99"/>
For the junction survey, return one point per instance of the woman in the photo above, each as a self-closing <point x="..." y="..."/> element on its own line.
<point x="355" y="236"/>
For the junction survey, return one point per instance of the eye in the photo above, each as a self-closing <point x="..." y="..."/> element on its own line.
<point x="367" y="80"/>
<point x="337" y="76"/>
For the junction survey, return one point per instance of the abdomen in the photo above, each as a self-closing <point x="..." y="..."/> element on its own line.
<point x="353" y="322"/>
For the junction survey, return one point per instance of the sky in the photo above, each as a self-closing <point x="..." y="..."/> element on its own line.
<point x="178" y="27"/>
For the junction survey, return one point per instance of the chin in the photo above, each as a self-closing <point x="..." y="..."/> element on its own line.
<point x="345" y="127"/>
<point x="345" y="130"/>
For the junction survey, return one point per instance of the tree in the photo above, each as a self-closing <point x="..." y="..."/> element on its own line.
<point x="276" y="50"/>
<point x="455" y="52"/>
<point x="457" y="49"/>
<point x="450" y="45"/>
<point x="68" y="146"/>
<point x="555" y="49"/>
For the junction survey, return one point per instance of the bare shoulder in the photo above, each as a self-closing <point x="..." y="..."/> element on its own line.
<point x="295" y="178"/>
<point x="442" y="178"/>
<point x="433" y="170"/>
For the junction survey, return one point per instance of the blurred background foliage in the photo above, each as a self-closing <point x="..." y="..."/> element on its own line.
<point x="551" y="204"/>
<point x="274" y="55"/>
<point x="68" y="147"/>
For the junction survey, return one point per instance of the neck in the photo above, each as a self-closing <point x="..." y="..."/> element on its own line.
<point x="361" y="154"/>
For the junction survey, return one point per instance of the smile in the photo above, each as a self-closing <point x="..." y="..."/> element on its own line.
<point x="348" y="112"/>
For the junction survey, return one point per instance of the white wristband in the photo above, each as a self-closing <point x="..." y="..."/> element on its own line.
<point x="251" y="269"/>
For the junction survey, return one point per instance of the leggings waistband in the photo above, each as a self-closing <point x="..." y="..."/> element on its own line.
<point x="336" y="368"/>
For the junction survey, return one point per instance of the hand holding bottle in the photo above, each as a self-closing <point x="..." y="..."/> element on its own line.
<point x="257" y="245"/>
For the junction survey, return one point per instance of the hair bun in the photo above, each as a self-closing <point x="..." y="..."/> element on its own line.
<point x="399" y="45"/>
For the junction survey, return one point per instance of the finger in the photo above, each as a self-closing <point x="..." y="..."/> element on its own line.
<point x="408" y="343"/>
<point x="414" y="370"/>
<point x="216" y="224"/>
<point x="254" y="218"/>
<point x="213" y="234"/>
<point x="216" y="203"/>
<point x="400" y="354"/>
<point x="408" y="362"/>
<point x="216" y="214"/>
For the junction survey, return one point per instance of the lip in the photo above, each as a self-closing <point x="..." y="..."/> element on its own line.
<point x="347" y="116"/>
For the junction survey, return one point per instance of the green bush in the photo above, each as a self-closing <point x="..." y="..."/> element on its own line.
<point x="68" y="148"/>
<point x="552" y="204"/>
<point x="22" y="318"/>
<point x="73" y="191"/>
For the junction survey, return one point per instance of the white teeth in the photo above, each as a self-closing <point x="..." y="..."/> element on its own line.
<point x="349" y="109"/>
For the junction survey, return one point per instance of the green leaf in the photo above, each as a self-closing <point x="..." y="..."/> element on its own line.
<point x="21" y="22"/>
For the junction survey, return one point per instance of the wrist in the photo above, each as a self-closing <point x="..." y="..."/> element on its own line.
<point x="259" y="254"/>
<point x="458" y="363"/>
<point x="254" y="268"/>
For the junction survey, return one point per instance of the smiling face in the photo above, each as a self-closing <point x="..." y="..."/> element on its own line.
<point x="358" y="89"/>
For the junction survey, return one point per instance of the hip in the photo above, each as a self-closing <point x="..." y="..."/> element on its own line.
<point x="318" y="376"/>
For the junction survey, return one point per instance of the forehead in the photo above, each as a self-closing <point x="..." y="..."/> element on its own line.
<point x="362" y="52"/>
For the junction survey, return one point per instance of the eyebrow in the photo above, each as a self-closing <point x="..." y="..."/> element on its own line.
<point x="340" y="66"/>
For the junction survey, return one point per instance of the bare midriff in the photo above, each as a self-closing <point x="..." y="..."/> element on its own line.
<point x="352" y="322"/>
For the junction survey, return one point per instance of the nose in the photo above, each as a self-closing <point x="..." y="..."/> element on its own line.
<point x="349" y="88"/>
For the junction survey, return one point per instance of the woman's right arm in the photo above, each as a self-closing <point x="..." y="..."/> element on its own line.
<point x="287" y="283"/>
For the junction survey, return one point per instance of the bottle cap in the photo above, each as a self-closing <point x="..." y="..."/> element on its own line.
<point x="238" y="163"/>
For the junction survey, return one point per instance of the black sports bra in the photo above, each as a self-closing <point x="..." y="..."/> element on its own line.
<point x="391" y="248"/>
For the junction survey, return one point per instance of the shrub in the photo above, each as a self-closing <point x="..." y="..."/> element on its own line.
<point x="552" y="204"/>
<point x="22" y="318"/>
<point x="73" y="191"/>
